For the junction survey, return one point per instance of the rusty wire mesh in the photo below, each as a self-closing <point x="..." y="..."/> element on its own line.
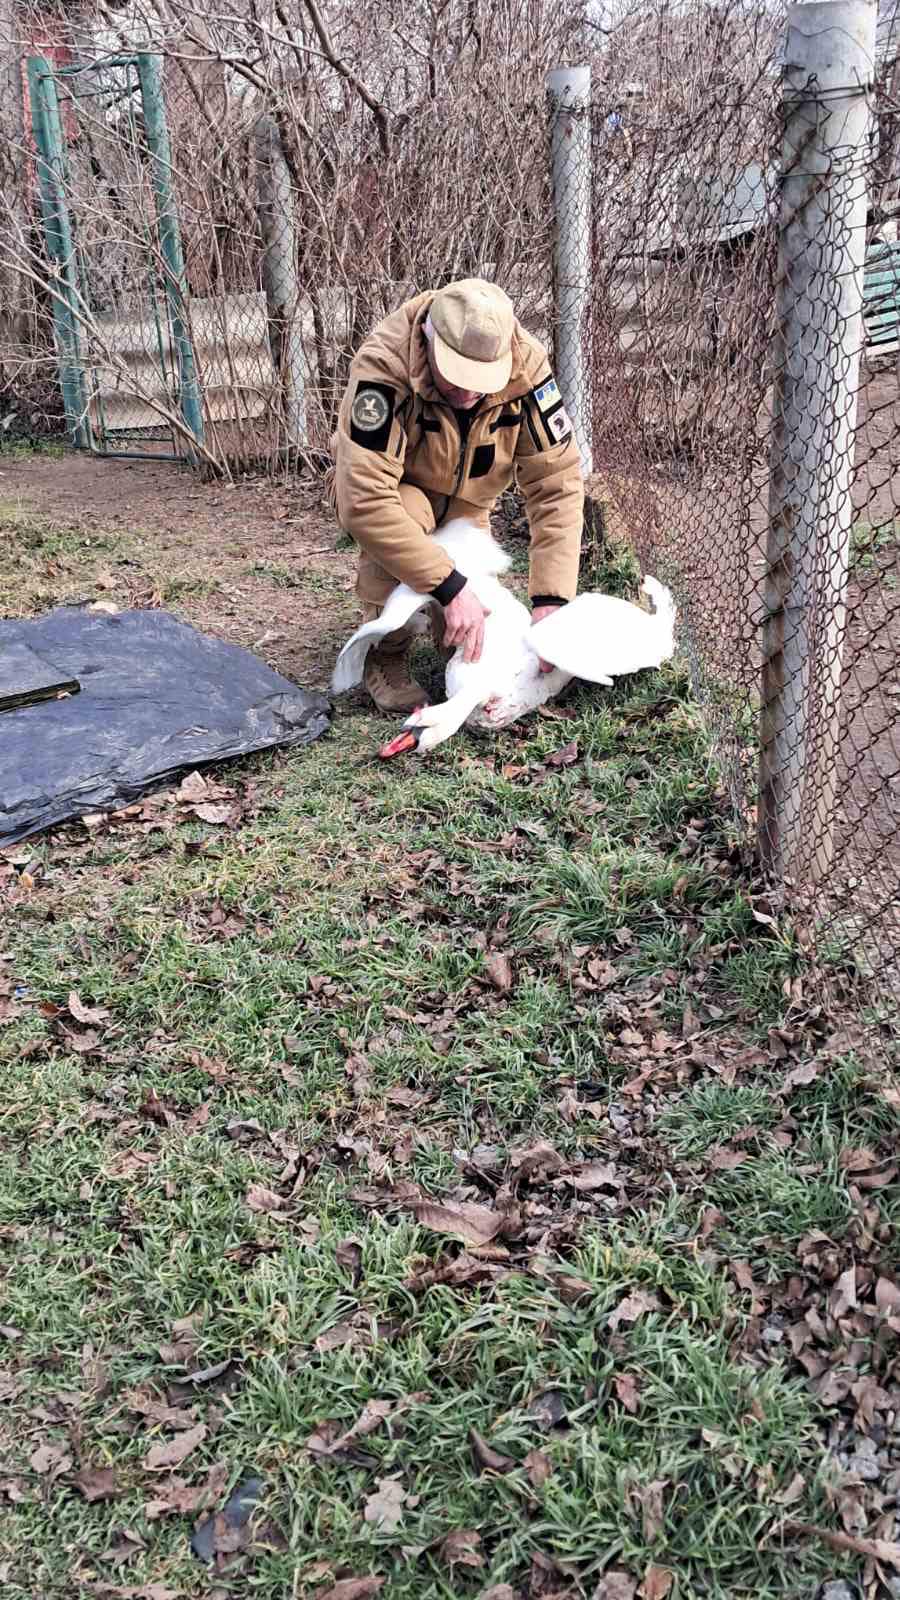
<point x="791" y="629"/>
<point x="326" y="169"/>
<point x="310" y="201"/>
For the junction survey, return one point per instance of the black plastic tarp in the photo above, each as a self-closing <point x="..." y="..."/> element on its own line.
<point x="156" y="698"/>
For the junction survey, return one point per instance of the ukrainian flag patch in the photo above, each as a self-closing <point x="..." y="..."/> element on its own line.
<point x="547" y="396"/>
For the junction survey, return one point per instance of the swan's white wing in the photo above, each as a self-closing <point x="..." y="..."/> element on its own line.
<point x="599" y="637"/>
<point x="402" y="603"/>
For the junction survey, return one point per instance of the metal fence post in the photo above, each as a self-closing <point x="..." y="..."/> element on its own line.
<point x="275" y="205"/>
<point x="48" y="138"/>
<point x="569" y="90"/>
<point x="157" y="134"/>
<point x="829" y="66"/>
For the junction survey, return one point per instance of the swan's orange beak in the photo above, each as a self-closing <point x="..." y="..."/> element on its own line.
<point x="407" y="740"/>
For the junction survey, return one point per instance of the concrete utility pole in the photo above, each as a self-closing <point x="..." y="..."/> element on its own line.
<point x="569" y="90"/>
<point x="829" y="68"/>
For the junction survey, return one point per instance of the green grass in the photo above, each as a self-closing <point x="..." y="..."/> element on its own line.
<point x="871" y="546"/>
<point x="273" y="1002"/>
<point x="282" y="577"/>
<point x="46" y="562"/>
<point x="16" y="450"/>
<point x="190" y="586"/>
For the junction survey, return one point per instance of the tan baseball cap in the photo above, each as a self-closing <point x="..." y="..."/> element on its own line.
<point x="473" y="323"/>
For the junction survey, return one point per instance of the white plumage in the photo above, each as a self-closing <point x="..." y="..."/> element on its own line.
<point x="596" y="636"/>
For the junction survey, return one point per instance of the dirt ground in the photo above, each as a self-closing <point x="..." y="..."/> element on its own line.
<point x="260" y="562"/>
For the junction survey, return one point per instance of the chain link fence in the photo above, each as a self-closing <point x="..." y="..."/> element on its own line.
<point x="701" y="224"/>
<point x="742" y="387"/>
<point x="308" y="205"/>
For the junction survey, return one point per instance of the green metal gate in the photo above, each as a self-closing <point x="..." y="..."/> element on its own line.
<point x="881" y="297"/>
<point x="117" y="284"/>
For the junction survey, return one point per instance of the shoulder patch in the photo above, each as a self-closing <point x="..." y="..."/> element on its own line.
<point x="552" y="424"/>
<point x="371" y="414"/>
<point x="559" y="424"/>
<point x="547" y="395"/>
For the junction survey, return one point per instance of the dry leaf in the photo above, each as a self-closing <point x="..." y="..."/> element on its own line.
<point x="794" y="1491"/>
<point x="461" y="1549"/>
<point x="887" y="1297"/>
<point x="627" y="1391"/>
<point x="653" y="1514"/>
<point x="806" y="1072"/>
<point x="329" y="1441"/>
<point x="592" y="1175"/>
<point x="616" y="1585"/>
<point x="535" y="1161"/>
<point x="83" y="1043"/>
<point x="198" y="1118"/>
<point x="857" y="1160"/>
<point x="409" y="1099"/>
<point x="473" y="1224"/>
<point x="90" y="1016"/>
<point x="351" y="1589"/>
<point x="191" y="788"/>
<point x="499" y="970"/>
<point x="174" y="1496"/>
<point x="486" y="1458"/>
<point x="213" y="814"/>
<point x="171" y="1452"/>
<point x="96" y="1483"/>
<point x="843" y="1296"/>
<point x="146" y="1404"/>
<point x="335" y="1338"/>
<point x="724" y="1160"/>
<point x="384" y="1508"/>
<point x="126" y="1546"/>
<point x="549" y="1409"/>
<point x="634" y="1306"/>
<point x="156" y="1110"/>
<point x="128" y="1163"/>
<point x="52" y="1458"/>
<point x="568" y="1106"/>
<point x="657" y="1583"/>
<point x="349" y="1255"/>
<point x="883" y="1550"/>
<point x="538" y="1466"/>
<point x="139" y="1591"/>
<point x="566" y="757"/>
<point x="259" y="1198"/>
<point x="183" y="1345"/>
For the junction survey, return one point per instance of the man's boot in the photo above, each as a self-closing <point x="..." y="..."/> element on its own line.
<point x="387" y="676"/>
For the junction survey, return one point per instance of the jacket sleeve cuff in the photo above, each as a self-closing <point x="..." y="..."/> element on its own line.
<point x="449" y="588"/>
<point x="547" y="600"/>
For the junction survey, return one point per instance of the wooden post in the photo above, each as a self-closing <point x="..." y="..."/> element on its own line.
<point x="275" y="202"/>
<point x="829" y="66"/>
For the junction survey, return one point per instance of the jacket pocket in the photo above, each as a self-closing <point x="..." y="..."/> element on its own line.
<point x="482" y="461"/>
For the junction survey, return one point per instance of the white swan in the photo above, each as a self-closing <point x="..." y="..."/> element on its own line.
<point x="596" y="636"/>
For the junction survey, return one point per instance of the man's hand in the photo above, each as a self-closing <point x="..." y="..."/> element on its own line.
<point x="538" y="615"/>
<point x="464" y="620"/>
